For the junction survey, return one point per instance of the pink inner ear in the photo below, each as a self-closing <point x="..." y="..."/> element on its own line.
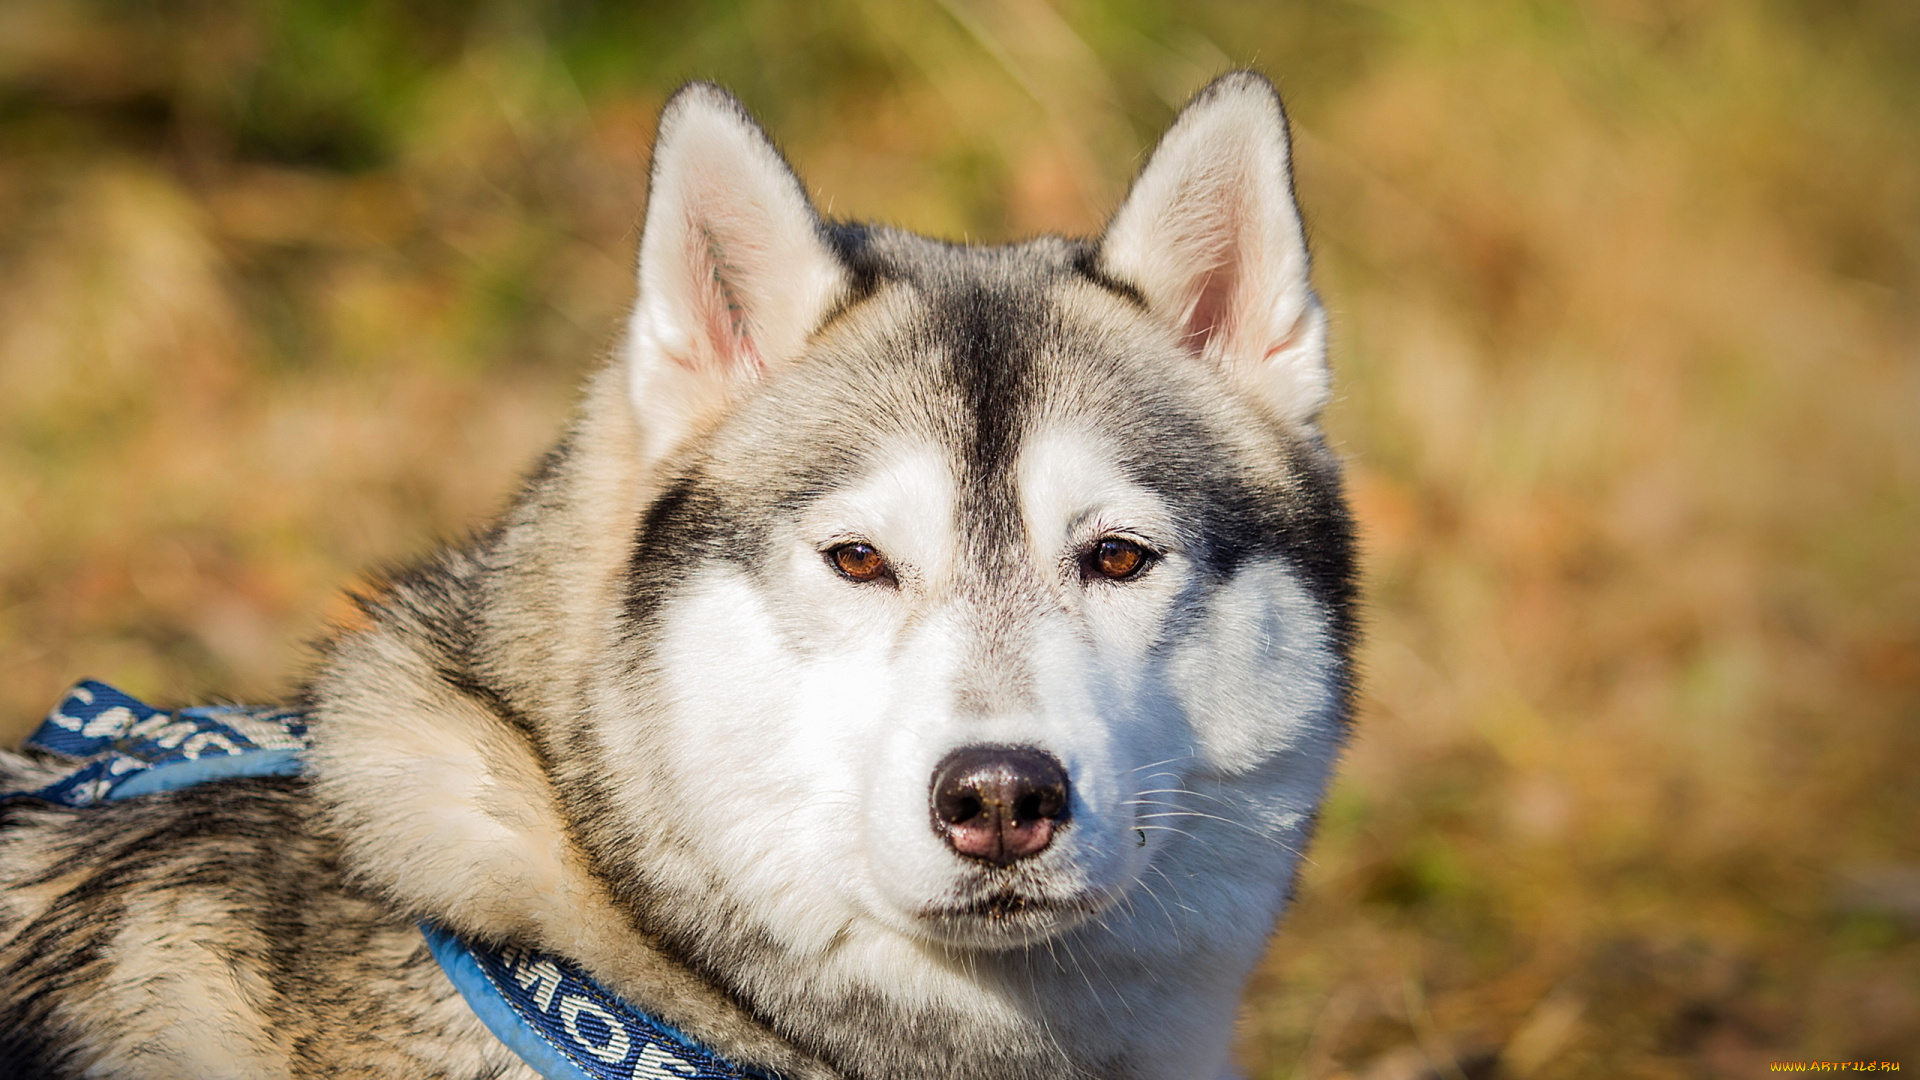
<point x="1212" y="311"/>
<point x="1217" y="248"/>
<point x="720" y="314"/>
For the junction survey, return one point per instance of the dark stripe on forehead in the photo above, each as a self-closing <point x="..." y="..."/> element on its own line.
<point x="986" y="340"/>
<point x="987" y="334"/>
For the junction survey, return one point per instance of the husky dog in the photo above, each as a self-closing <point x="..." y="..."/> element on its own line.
<point x="916" y="660"/>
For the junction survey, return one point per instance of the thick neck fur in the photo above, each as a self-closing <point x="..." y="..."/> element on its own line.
<point x="455" y="738"/>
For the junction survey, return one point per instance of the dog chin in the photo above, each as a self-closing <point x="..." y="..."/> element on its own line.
<point x="1000" y="916"/>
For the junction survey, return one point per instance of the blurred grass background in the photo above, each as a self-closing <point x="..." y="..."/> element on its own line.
<point x="1627" y="309"/>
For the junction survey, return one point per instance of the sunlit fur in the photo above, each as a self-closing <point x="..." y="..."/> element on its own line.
<point x="643" y="722"/>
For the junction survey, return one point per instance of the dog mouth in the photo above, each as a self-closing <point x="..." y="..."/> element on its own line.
<point x="1001" y="906"/>
<point x="1006" y="915"/>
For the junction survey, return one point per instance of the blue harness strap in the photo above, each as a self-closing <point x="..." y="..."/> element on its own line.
<point x="118" y="747"/>
<point x="562" y="1023"/>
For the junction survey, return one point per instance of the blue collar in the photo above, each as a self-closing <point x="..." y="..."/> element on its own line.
<point x="560" y="1021"/>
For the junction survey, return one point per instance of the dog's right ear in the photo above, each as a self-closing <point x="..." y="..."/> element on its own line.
<point x="735" y="272"/>
<point x="1212" y="239"/>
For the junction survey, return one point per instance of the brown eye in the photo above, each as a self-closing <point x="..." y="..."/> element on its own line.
<point x="859" y="562"/>
<point x="1116" y="559"/>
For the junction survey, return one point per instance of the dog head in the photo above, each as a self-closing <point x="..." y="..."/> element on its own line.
<point x="976" y="584"/>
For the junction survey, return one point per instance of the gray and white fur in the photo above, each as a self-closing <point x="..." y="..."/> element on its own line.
<point x="649" y="721"/>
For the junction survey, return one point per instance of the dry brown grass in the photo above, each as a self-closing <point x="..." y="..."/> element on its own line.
<point x="1626" y="303"/>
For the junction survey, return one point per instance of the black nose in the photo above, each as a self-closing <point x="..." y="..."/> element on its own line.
<point x="999" y="804"/>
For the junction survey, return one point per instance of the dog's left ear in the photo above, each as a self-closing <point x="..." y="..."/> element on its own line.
<point x="735" y="270"/>
<point x="1211" y="236"/>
